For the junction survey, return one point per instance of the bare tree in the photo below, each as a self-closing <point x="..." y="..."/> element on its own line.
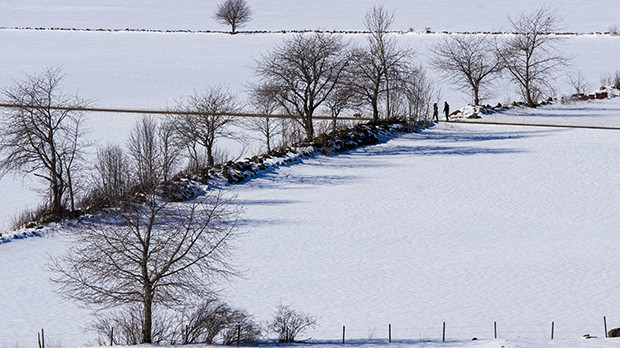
<point x="208" y="116"/>
<point x="152" y="254"/>
<point x="234" y="13"/>
<point x="170" y="149"/>
<point x="342" y="98"/>
<point x="144" y="150"/>
<point x="304" y="70"/>
<point x="40" y="140"/>
<point x="112" y="178"/>
<point x="373" y="68"/>
<point x="469" y="61"/>
<point x="378" y="21"/>
<point x="531" y="55"/>
<point x="417" y="93"/>
<point x="263" y="98"/>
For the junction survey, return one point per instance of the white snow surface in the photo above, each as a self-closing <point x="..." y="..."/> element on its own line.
<point x="439" y="15"/>
<point x="467" y="224"/>
<point x="464" y="223"/>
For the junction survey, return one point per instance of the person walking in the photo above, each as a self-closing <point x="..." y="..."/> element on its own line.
<point x="446" y="110"/>
<point x="435" y="113"/>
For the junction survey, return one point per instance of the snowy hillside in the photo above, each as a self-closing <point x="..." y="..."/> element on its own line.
<point x="153" y="70"/>
<point x="438" y="15"/>
<point x="467" y="224"/>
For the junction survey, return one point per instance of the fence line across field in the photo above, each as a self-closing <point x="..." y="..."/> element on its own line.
<point x="177" y="112"/>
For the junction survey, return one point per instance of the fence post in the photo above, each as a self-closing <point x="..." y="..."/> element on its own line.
<point x="495" y="328"/>
<point x="112" y="336"/>
<point x="443" y="337"/>
<point x="39" y="338"/>
<point x="238" y="334"/>
<point x="605" y="322"/>
<point x="389" y="333"/>
<point x="552" y="329"/>
<point x="343" y="330"/>
<point x="42" y="338"/>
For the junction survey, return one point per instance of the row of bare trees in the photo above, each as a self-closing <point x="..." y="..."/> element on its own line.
<point x="311" y="71"/>
<point x="530" y="57"/>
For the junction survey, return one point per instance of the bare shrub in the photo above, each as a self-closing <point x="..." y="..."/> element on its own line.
<point x="28" y="218"/>
<point x="243" y="331"/>
<point x="579" y="83"/>
<point x="613" y="30"/>
<point x="612" y="79"/>
<point x="214" y="319"/>
<point x="287" y="323"/>
<point x="124" y="327"/>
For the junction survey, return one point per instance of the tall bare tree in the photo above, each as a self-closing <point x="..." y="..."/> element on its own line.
<point x="468" y="60"/>
<point x="234" y="13"/>
<point x="263" y="98"/>
<point x="378" y="21"/>
<point x="144" y="150"/>
<point x="41" y="140"/>
<point x="208" y="117"/>
<point x="373" y="68"/>
<point x="112" y="174"/>
<point x="152" y="254"/>
<point x="417" y="92"/>
<point x="304" y="70"/>
<point x="531" y="55"/>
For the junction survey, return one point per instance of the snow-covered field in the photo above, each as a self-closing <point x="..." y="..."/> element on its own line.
<point x="463" y="223"/>
<point x="153" y="70"/>
<point x="467" y="224"/>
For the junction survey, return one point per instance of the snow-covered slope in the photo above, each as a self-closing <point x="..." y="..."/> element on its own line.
<point x="152" y="70"/>
<point x="467" y="224"/>
<point x="439" y="15"/>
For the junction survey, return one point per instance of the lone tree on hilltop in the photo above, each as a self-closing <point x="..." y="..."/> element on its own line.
<point x="468" y="60"/>
<point x="530" y="55"/>
<point x="234" y="13"/>
<point x="41" y="140"/>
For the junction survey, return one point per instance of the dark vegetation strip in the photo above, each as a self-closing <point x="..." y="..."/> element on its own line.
<point x="136" y="30"/>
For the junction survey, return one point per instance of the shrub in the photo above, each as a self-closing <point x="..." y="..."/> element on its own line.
<point x="287" y="323"/>
<point x="244" y="329"/>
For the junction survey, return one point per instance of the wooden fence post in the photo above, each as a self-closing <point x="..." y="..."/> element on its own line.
<point x="443" y="337"/>
<point x="112" y="336"/>
<point x="495" y="328"/>
<point x="389" y="333"/>
<point x="343" y="330"/>
<point x="39" y="338"/>
<point x="552" y="329"/>
<point x="238" y="334"/>
<point x="605" y="322"/>
<point x="42" y="338"/>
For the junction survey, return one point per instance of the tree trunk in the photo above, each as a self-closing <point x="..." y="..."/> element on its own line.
<point x="147" y="325"/>
<point x="375" y="112"/>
